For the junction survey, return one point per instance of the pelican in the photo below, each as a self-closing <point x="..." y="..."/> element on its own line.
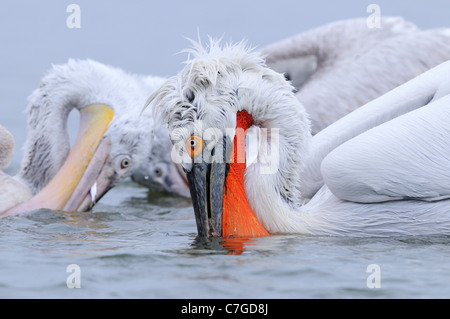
<point x="158" y="172"/>
<point x="381" y="170"/>
<point x="340" y="66"/>
<point x="334" y="69"/>
<point x="111" y="143"/>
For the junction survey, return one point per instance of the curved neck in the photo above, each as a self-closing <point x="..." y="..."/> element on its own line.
<point x="299" y="172"/>
<point x="284" y="134"/>
<point x="67" y="86"/>
<point x="273" y="181"/>
<point x="47" y="144"/>
<point x="73" y="85"/>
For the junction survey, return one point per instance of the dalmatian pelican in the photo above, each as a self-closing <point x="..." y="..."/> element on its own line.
<point x="342" y="65"/>
<point x="111" y="143"/>
<point x="381" y="170"/>
<point x="347" y="58"/>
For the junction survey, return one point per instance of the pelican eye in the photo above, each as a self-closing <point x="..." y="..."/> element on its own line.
<point x="194" y="145"/>
<point x="158" y="172"/>
<point x="125" y="163"/>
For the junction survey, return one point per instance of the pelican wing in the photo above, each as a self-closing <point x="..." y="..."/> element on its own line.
<point x="405" y="158"/>
<point x="301" y="55"/>
<point x="341" y="66"/>
<point x="416" y="93"/>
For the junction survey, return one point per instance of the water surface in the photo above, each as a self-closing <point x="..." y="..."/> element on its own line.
<point x="145" y="246"/>
<point x="138" y="245"/>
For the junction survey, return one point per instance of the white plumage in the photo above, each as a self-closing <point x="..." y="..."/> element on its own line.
<point x="369" y="159"/>
<point x="75" y="85"/>
<point x="340" y="66"/>
<point x="72" y="86"/>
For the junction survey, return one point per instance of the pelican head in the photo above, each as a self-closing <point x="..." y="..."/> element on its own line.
<point x="111" y="140"/>
<point x="209" y="108"/>
<point x="157" y="171"/>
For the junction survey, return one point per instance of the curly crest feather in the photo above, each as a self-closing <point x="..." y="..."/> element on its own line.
<point x="205" y="67"/>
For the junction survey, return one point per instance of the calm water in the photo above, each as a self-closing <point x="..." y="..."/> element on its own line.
<point x="141" y="246"/>
<point x="136" y="245"/>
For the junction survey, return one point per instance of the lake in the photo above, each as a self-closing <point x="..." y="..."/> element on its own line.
<point x="140" y="245"/>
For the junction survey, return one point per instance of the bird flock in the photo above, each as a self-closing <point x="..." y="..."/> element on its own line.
<point x="353" y="119"/>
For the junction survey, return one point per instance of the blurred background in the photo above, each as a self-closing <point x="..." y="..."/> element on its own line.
<point x="145" y="36"/>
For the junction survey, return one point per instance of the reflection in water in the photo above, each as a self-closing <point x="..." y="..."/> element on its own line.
<point x="236" y="246"/>
<point x="141" y="253"/>
<point x="221" y="245"/>
<point x="73" y="233"/>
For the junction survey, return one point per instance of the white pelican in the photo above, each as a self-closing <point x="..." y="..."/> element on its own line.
<point x="381" y="170"/>
<point x="340" y="66"/>
<point x="76" y="180"/>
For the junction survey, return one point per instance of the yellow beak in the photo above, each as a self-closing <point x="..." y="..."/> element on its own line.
<point x="94" y="120"/>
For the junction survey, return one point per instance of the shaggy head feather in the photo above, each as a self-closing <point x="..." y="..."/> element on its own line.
<point x="216" y="83"/>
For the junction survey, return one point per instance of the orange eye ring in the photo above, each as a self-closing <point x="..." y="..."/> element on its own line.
<point x="194" y="145"/>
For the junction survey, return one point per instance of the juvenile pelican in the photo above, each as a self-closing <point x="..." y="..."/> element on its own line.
<point x="381" y="170"/>
<point x="108" y="146"/>
<point x="340" y="66"/>
<point x="158" y="172"/>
